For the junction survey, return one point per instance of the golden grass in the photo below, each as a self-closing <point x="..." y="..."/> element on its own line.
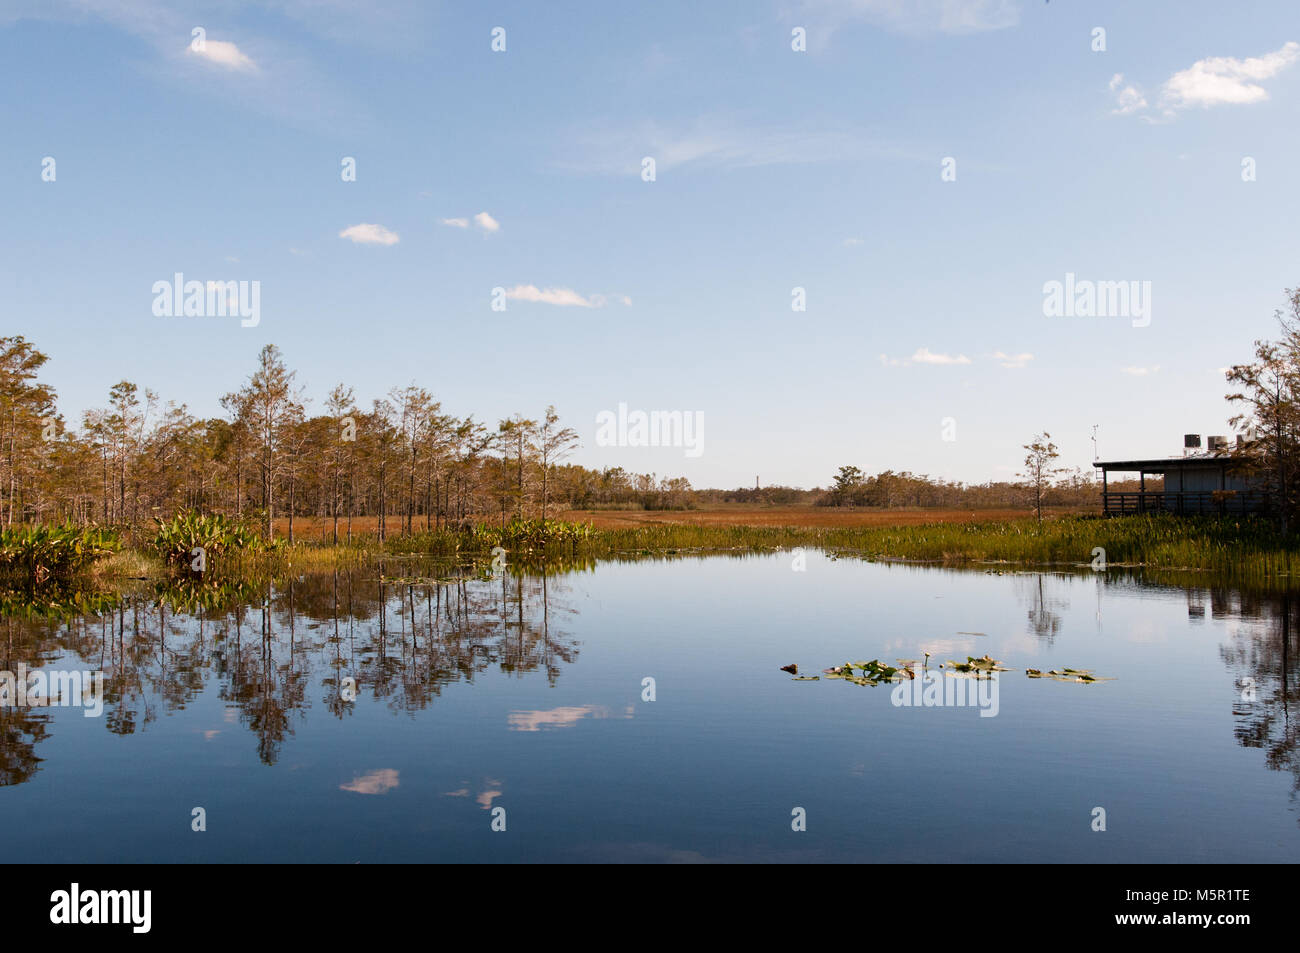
<point x="314" y="529"/>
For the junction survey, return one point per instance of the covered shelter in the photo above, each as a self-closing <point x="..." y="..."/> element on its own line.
<point x="1196" y="484"/>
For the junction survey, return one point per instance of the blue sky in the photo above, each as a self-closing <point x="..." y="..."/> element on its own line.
<point x="775" y="169"/>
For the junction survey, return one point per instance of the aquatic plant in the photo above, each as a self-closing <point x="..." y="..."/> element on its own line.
<point x="983" y="667"/>
<point x="873" y="672"/>
<point x="1083" y="675"/>
<point x="36" y="555"/>
<point x="179" y="539"/>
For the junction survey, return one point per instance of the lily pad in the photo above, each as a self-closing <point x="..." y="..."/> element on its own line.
<point x="1078" y="675"/>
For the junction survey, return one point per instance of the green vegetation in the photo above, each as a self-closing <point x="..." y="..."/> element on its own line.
<point x="180" y="539"/>
<point x="519" y="536"/>
<point x="1240" y="547"/>
<point x="1082" y="675"/>
<point x="871" y="673"/>
<point x="56" y="603"/>
<point x="37" y="555"/>
<point x="1237" y="549"/>
<point x="984" y="666"/>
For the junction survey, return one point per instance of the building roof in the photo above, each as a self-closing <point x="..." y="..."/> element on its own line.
<point x="1162" y="464"/>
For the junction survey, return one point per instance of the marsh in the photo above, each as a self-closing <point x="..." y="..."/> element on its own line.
<point x="385" y="714"/>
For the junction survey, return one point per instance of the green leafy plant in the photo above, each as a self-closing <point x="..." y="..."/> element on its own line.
<point x="40" y="554"/>
<point x="177" y="538"/>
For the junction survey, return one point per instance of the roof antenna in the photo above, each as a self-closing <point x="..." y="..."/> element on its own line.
<point x="1094" y="442"/>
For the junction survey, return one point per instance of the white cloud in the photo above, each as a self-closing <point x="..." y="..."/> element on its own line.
<point x="1225" y="80"/>
<point x="224" y="54"/>
<point x="1214" y="81"/>
<point x="1141" y="371"/>
<point x="923" y="355"/>
<point x="1128" y="99"/>
<point x="563" y="297"/>
<point x="1012" y="360"/>
<point x="483" y="220"/>
<point x="376" y="782"/>
<point x="852" y="241"/>
<point x="366" y="234"/>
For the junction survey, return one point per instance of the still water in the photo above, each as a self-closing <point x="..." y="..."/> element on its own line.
<point x="529" y="693"/>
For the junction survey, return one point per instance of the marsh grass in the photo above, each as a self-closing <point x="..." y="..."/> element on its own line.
<point x="1245" y="550"/>
<point x="1240" y="548"/>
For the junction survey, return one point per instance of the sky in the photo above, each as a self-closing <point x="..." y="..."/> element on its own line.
<point x="916" y="175"/>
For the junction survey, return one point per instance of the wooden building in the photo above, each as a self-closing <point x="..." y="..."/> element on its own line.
<point x="1198" y="483"/>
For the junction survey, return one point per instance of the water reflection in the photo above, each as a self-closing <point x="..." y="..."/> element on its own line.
<point x="274" y="649"/>
<point x="1043" y="615"/>
<point x="383" y="643"/>
<point x="1261" y="653"/>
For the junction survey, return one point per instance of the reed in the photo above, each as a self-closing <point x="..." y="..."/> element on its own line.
<point x="1242" y="549"/>
<point x="1237" y="547"/>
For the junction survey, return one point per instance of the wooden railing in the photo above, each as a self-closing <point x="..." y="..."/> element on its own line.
<point x="1185" y="502"/>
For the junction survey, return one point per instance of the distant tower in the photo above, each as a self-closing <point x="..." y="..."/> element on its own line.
<point x="756" y="482"/>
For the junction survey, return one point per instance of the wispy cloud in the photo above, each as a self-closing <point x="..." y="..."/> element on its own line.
<point x="369" y="234"/>
<point x="562" y="717"/>
<point x="1012" y="360"/>
<point x="719" y="142"/>
<point x="1136" y="371"/>
<point x="1214" y="81"/>
<point x="273" y="73"/>
<point x="223" y="54"/>
<point x="923" y="355"/>
<point x="561" y="297"/>
<point x="376" y="782"/>
<point x="482" y="220"/>
<point x="1127" y="97"/>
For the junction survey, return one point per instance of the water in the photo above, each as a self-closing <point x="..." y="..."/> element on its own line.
<point x="526" y="693"/>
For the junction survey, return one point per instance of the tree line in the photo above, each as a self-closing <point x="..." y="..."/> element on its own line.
<point x="402" y="463"/>
<point x="852" y="486"/>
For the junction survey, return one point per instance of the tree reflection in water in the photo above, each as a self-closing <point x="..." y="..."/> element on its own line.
<point x="272" y="648"/>
<point x="1261" y="654"/>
